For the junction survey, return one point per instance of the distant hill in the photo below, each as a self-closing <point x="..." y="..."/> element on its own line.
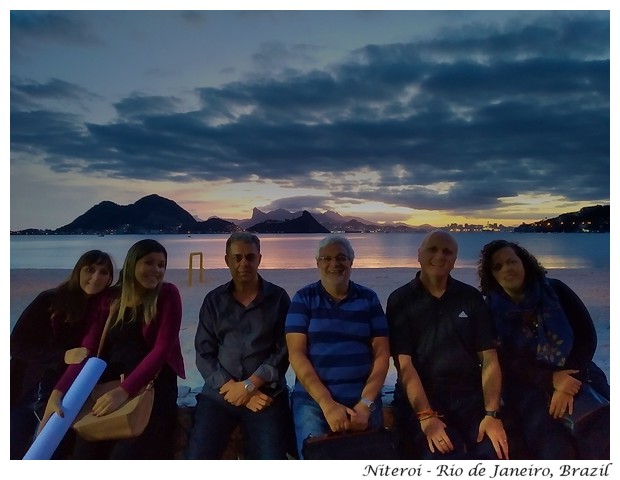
<point x="258" y="216"/>
<point x="329" y="219"/>
<point x="212" y="225"/>
<point x="305" y="223"/>
<point x="150" y="214"/>
<point x="332" y="221"/>
<point x="588" y="219"/>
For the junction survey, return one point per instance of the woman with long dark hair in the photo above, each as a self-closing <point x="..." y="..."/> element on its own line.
<point x="45" y="338"/>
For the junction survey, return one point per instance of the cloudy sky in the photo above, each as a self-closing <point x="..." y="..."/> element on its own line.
<point x="412" y="116"/>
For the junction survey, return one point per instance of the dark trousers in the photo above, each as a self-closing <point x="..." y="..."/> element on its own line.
<point x="545" y="437"/>
<point x="462" y="413"/>
<point x="266" y="434"/>
<point x="24" y="424"/>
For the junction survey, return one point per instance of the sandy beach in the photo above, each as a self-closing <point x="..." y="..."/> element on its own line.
<point x="592" y="285"/>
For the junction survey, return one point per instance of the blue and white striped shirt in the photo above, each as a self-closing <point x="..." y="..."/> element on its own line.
<point x="339" y="336"/>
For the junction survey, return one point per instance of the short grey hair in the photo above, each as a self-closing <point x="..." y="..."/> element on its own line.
<point x="245" y="237"/>
<point x="336" y="239"/>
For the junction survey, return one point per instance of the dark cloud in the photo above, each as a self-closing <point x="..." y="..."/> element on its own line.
<point x="40" y="29"/>
<point x="562" y="35"/>
<point x="140" y="106"/>
<point x="27" y="94"/>
<point x="476" y="114"/>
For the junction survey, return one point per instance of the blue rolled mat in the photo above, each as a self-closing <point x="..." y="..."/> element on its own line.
<point x="56" y="427"/>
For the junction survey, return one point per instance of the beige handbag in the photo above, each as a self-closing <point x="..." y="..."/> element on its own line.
<point x="128" y="421"/>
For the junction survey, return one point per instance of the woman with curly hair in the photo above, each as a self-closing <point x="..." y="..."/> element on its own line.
<point x="546" y="343"/>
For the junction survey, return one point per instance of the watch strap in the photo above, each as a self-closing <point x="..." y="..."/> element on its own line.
<point x="369" y="403"/>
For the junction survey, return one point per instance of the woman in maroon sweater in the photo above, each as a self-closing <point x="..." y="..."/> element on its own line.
<point x="142" y="344"/>
<point x="45" y="338"/>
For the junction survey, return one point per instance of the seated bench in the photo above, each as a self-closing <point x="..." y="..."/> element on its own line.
<point x="185" y="421"/>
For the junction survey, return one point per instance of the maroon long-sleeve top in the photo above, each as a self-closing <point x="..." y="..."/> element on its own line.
<point x="161" y="335"/>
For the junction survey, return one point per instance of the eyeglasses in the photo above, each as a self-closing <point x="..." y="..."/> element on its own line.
<point x="250" y="257"/>
<point x="339" y="258"/>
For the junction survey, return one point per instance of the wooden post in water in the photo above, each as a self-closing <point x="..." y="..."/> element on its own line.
<point x="191" y="259"/>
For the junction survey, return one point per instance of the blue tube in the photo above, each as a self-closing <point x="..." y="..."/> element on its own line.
<point x="56" y="427"/>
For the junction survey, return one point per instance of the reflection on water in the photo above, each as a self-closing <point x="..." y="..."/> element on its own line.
<point x="379" y="250"/>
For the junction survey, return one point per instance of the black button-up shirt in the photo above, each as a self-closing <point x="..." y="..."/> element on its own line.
<point x="234" y="342"/>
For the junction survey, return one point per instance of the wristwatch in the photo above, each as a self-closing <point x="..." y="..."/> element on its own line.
<point x="369" y="403"/>
<point x="249" y="386"/>
<point x="492" y="413"/>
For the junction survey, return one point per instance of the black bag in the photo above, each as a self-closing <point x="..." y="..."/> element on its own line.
<point x="374" y="444"/>
<point x="587" y="405"/>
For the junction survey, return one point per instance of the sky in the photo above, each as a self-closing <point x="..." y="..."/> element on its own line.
<point x="414" y="116"/>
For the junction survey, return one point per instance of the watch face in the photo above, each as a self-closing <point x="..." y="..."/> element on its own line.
<point x="369" y="404"/>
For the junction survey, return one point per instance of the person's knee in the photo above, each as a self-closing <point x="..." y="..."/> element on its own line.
<point x="212" y="426"/>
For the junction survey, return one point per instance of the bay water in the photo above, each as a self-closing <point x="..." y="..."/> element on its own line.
<point x="295" y="251"/>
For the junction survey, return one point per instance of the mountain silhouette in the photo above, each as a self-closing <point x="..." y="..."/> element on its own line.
<point x="152" y="214"/>
<point x="589" y="219"/>
<point x="306" y="223"/>
<point x="155" y="214"/>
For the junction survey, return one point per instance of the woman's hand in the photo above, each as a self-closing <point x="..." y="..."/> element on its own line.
<point x="565" y="382"/>
<point x="54" y="405"/>
<point x="76" y="355"/>
<point x="561" y="403"/>
<point x="109" y="402"/>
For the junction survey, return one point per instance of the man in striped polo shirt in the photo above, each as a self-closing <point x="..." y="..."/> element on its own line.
<point x="337" y="337"/>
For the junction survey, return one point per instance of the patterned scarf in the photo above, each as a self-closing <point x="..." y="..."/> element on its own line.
<point x="537" y="323"/>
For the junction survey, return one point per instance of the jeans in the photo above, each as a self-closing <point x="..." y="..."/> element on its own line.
<point x="310" y="421"/>
<point x="266" y="434"/>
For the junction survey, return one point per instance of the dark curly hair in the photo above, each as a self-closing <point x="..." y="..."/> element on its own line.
<point x="533" y="269"/>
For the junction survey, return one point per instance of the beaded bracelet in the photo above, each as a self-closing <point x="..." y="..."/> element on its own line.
<point x="426" y="414"/>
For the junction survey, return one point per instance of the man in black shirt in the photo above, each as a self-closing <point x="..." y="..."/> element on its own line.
<point x="443" y="343"/>
<point x="241" y="353"/>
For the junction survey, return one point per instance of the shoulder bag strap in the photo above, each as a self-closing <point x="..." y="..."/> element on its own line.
<point x="104" y="333"/>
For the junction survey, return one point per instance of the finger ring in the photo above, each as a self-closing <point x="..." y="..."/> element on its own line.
<point x="441" y="440"/>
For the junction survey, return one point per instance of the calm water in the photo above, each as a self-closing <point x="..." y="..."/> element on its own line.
<point x="572" y="250"/>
